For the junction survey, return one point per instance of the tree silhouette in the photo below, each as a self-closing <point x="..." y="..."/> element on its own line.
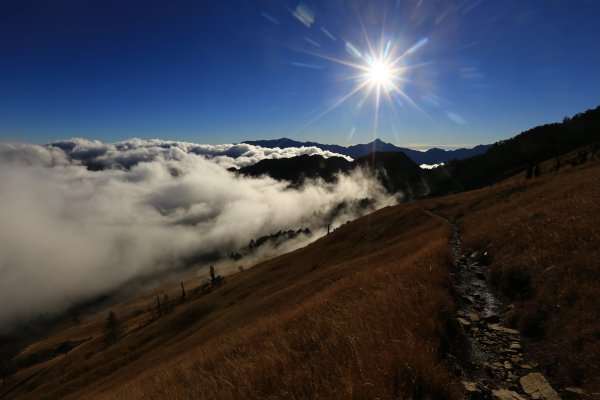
<point x="212" y="274"/>
<point x="65" y="347"/>
<point x="112" y="329"/>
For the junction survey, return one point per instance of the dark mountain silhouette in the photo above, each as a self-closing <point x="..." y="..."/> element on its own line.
<point x="395" y="170"/>
<point x="524" y="151"/>
<point x="431" y="156"/>
<point x="398" y="172"/>
<point x="297" y="169"/>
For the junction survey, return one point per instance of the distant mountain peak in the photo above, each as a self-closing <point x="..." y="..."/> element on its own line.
<point x="431" y="156"/>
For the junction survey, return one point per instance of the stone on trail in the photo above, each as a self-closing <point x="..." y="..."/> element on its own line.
<point x="496" y="327"/>
<point x="535" y="385"/>
<point x="463" y="322"/>
<point x="473" y="391"/>
<point x="503" y="394"/>
<point x="575" y="393"/>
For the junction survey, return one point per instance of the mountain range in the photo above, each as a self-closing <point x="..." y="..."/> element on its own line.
<point x="395" y="170"/>
<point x="398" y="171"/>
<point x="431" y="156"/>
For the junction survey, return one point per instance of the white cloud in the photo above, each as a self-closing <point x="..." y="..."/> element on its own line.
<point x="98" y="155"/>
<point x="69" y="233"/>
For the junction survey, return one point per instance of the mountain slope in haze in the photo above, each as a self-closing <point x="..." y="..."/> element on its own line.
<point x="296" y="169"/>
<point x="395" y="170"/>
<point x="431" y="156"/>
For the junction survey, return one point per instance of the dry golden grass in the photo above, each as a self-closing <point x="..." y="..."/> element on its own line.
<point x="361" y="313"/>
<point x="544" y="239"/>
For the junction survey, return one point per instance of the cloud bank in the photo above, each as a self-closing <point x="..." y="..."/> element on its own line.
<point x="97" y="155"/>
<point x="80" y="218"/>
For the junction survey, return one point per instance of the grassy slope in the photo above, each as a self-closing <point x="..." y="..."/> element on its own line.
<point x="363" y="312"/>
<point x="360" y="313"/>
<point x="544" y="239"/>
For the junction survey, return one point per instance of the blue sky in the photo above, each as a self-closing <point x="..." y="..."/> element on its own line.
<point x="227" y="71"/>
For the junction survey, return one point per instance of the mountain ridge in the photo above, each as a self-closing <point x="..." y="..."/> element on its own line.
<point x="395" y="170"/>
<point x="432" y="156"/>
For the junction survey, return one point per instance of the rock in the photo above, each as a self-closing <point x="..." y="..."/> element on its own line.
<point x="496" y="327"/>
<point x="472" y="390"/>
<point x="474" y="317"/>
<point x="467" y="299"/>
<point x="463" y="323"/>
<point x="535" y="385"/>
<point x="504" y="394"/>
<point x="575" y="393"/>
<point x="515" y="346"/>
<point x="480" y="275"/>
<point x="526" y="366"/>
<point x="512" y="377"/>
<point x="507" y="365"/>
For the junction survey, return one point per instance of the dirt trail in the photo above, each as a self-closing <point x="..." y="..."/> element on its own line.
<point x="491" y="361"/>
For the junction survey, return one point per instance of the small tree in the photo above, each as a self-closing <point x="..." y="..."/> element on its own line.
<point x="214" y="278"/>
<point x="65" y="347"/>
<point x="212" y="274"/>
<point x="529" y="172"/>
<point x="159" y="308"/>
<point x="112" y="329"/>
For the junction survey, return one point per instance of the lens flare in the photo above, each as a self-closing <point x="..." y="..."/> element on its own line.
<point x="380" y="60"/>
<point x="379" y="74"/>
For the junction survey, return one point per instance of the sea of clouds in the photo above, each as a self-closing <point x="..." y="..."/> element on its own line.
<point x="80" y="218"/>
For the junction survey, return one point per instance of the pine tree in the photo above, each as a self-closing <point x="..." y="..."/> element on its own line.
<point x="111" y="328"/>
<point x="212" y="274"/>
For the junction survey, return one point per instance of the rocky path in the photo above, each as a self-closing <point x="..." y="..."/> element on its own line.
<point x="492" y="363"/>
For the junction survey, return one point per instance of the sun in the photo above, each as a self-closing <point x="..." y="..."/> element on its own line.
<point x="380" y="70"/>
<point x="379" y="73"/>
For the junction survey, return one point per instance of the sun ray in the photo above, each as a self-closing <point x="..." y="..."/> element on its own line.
<point x="333" y="106"/>
<point x="382" y="69"/>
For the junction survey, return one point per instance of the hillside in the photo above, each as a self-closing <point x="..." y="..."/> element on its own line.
<point x="364" y="312"/>
<point x="286" y="327"/>
<point x="297" y="169"/>
<point x="529" y="148"/>
<point x="431" y="156"/>
<point x="396" y="171"/>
